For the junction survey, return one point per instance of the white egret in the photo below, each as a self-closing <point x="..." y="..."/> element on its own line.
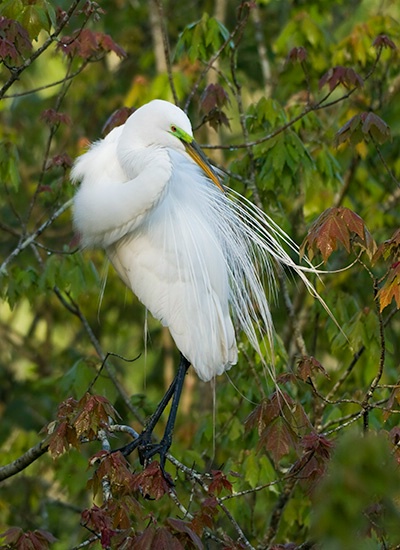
<point x="193" y="254"/>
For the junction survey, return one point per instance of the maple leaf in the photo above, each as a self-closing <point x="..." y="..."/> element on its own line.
<point x="53" y="117"/>
<point x="363" y="126"/>
<point x="337" y="225"/>
<point x="159" y="538"/>
<point x="151" y="483"/>
<point x="278" y="439"/>
<point x="383" y="41"/>
<point x="212" y="101"/>
<point x="87" y="44"/>
<point x="16" y="538"/>
<point x="297" y="54"/>
<point x="115" y="468"/>
<point x="391" y="288"/>
<point x="98" y="520"/>
<point x="219" y="482"/>
<point x="308" y="364"/>
<point x="389" y="249"/>
<point x="185" y="533"/>
<point x="341" y="75"/>
<point x="93" y="413"/>
<point x="14" y="41"/>
<point x="375" y="127"/>
<point x="205" y="516"/>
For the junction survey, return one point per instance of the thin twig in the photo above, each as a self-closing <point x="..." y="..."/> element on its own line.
<point x="17" y="71"/>
<point x="30" y="239"/>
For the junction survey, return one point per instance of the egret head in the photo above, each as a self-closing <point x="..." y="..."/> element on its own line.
<point x="163" y="124"/>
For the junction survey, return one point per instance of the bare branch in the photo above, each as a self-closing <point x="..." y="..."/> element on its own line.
<point x="23" y="461"/>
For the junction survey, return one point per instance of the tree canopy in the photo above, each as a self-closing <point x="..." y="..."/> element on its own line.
<point x="299" y="104"/>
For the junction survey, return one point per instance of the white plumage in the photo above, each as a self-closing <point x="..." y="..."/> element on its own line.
<point x="193" y="255"/>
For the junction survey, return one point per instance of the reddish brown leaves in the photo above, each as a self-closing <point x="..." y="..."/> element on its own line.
<point x="159" y="538"/>
<point x="307" y="365"/>
<point x="280" y="423"/>
<point x="53" y="117"/>
<point x="383" y="41"/>
<point x="76" y="420"/>
<point x="312" y="464"/>
<point x="115" y="468"/>
<point x="151" y="483"/>
<point x="212" y="101"/>
<point x="390" y="248"/>
<point x="99" y="520"/>
<point x="17" y="539"/>
<point x="341" y="75"/>
<point x="14" y="41"/>
<point x="365" y="126"/>
<point x="337" y="225"/>
<point x="391" y="289"/>
<point x="88" y="44"/>
<point x="297" y="54"/>
<point x="219" y="483"/>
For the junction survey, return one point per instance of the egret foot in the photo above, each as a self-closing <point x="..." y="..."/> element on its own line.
<point x="144" y="444"/>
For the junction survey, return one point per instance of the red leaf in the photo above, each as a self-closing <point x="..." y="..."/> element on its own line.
<point x="219" y="482"/>
<point x="383" y="41"/>
<point x="341" y="75"/>
<point x="191" y="539"/>
<point x="297" y="54"/>
<point x="53" y="117"/>
<point x="391" y="288"/>
<point x="337" y="225"/>
<point x="151" y="482"/>
<point x="157" y="539"/>
<point x="205" y="516"/>
<point x="307" y="365"/>
<point x="86" y="44"/>
<point x="278" y="439"/>
<point x="390" y="248"/>
<point x="15" y="43"/>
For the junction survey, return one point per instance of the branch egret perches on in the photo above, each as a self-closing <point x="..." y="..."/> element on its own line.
<point x="193" y="254"/>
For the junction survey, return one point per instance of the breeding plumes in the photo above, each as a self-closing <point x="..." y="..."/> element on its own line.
<point x="197" y="256"/>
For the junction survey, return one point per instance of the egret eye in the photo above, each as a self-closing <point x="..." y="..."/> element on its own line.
<point x="173" y="128"/>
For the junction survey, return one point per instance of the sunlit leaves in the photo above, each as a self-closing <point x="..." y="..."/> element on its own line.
<point x="77" y="420"/>
<point x="337" y="225"/>
<point x="391" y="288"/>
<point x="201" y="39"/>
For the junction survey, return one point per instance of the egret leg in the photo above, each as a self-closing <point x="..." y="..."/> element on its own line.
<point x="143" y="443"/>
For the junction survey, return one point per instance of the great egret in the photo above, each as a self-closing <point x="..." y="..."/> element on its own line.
<point x="195" y="255"/>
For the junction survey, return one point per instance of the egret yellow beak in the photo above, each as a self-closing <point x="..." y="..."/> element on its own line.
<point x="194" y="151"/>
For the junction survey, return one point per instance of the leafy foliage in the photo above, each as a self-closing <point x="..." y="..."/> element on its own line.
<point x="300" y="108"/>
